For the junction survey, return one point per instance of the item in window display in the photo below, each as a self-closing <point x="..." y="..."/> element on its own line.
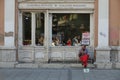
<point x="54" y="30"/>
<point x="53" y="41"/>
<point x="55" y="18"/>
<point x="75" y="16"/>
<point x="69" y="42"/>
<point x="41" y="40"/>
<point x="62" y="38"/>
<point x="26" y="42"/>
<point x="53" y="44"/>
<point x="75" y="41"/>
<point x="63" y="20"/>
<point x="71" y="17"/>
<point x="57" y="41"/>
<point x="79" y="40"/>
<point x="82" y="26"/>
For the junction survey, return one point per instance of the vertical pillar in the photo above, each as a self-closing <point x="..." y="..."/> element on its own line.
<point x="46" y="37"/>
<point x="9" y="23"/>
<point x="103" y="23"/>
<point x="50" y="29"/>
<point x="33" y="29"/>
<point x="8" y="52"/>
<point x="20" y="29"/>
<point x="91" y="30"/>
<point x="103" y="50"/>
<point x="117" y="64"/>
<point x="1" y="22"/>
<point x="33" y="34"/>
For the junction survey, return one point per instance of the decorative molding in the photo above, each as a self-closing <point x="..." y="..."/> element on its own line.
<point x="56" y="0"/>
<point x="56" y="6"/>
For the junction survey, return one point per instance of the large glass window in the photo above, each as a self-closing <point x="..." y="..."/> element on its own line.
<point x="67" y="29"/>
<point x="26" y="28"/>
<point x="40" y="29"/>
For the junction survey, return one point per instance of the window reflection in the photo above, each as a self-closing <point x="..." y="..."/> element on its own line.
<point x="67" y="29"/>
<point x="26" y="28"/>
<point x="40" y="29"/>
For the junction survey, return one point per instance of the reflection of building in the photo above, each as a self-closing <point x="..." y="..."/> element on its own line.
<point x="104" y="23"/>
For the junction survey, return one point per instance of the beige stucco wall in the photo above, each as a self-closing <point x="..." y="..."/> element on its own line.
<point x="96" y="23"/>
<point x="16" y="27"/>
<point x="114" y="22"/>
<point x="16" y="23"/>
<point x="1" y="22"/>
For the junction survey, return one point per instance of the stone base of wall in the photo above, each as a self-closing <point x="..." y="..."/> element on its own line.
<point x="7" y="64"/>
<point x="117" y="65"/>
<point x="103" y="58"/>
<point x="26" y="65"/>
<point x="102" y="65"/>
<point x="7" y="54"/>
<point x="7" y="57"/>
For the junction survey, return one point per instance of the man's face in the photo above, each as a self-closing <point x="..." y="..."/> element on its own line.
<point x="83" y="47"/>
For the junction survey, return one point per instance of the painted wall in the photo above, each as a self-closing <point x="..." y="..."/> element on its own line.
<point x="1" y="22"/>
<point x="16" y="23"/>
<point x="114" y="22"/>
<point x="96" y="23"/>
<point x="9" y="23"/>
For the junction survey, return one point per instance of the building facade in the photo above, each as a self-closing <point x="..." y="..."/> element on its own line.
<point x="37" y="31"/>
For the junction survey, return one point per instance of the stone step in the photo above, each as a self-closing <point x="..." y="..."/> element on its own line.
<point x="51" y="65"/>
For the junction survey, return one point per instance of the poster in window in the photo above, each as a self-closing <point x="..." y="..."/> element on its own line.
<point x="85" y="38"/>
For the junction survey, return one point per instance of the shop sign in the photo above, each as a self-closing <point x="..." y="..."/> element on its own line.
<point x="56" y="6"/>
<point x="85" y="38"/>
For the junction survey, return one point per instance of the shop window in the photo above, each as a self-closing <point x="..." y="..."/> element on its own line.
<point x="26" y="28"/>
<point x="67" y="29"/>
<point x="39" y="29"/>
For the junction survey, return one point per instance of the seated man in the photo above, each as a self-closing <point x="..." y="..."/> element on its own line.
<point x="83" y="56"/>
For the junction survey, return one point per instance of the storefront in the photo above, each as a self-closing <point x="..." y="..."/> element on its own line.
<point x="47" y="29"/>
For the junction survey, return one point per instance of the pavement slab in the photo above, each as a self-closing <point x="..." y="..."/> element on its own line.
<point x="59" y="74"/>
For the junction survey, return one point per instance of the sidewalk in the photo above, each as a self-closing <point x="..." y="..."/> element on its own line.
<point x="58" y="74"/>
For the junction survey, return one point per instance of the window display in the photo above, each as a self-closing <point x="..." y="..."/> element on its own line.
<point x="68" y="28"/>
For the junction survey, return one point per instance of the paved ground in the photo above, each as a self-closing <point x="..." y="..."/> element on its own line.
<point x="58" y="74"/>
